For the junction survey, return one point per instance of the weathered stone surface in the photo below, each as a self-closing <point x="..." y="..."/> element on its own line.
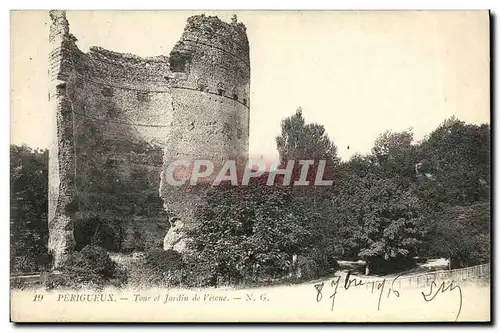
<point x="176" y="237"/>
<point x="61" y="163"/>
<point x="122" y="119"/>
<point x="211" y="107"/>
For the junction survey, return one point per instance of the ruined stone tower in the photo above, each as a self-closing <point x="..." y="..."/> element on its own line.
<point x="120" y="120"/>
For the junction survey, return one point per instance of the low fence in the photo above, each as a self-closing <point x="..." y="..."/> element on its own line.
<point x="468" y="273"/>
<point x="403" y="281"/>
<point x="426" y="279"/>
<point x="29" y="280"/>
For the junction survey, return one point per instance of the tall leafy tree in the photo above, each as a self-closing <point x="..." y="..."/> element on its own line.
<point x="299" y="140"/>
<point x="377" y="217"/>
<point x="462" y="233"/>
<point x="250" y="231"/>
<point x="306" y="141"/>
<point x="395" y="153"/>
<point x="455" y="188"/>
<point x="28" y="208"/>
<point x="456" y="156"/>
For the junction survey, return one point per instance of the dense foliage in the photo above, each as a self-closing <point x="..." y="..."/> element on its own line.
<point x="454" y="187"/>
<point x="377" y="219"/>
<point x="28" y="209"/>
<point x="89" y="268"/>
<point x="403" y="199"/>
<point x="299" y="140"/>
<point x="384" y="207"/>
<point x="161" y="268"/>
<point x="251" y="232"/>
<point x="462" y="233"/>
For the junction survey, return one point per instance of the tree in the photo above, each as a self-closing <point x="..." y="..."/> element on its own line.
<point x="456" y="156"/>
<point x="462" y="233"/>
<point x="250" y="231"/>
<point x="28" y="208"/>
<point x="454" y="187"/>
<point x="377" y="218"/>
<point x="301" y="141"/>
<point x="395" y="153"/>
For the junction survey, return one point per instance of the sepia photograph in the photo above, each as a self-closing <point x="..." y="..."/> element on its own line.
<point x="250" y="166"/>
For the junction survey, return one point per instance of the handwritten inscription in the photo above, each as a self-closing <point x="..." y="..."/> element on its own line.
<point x="379" y="287"/>
<point x="383" y="289"/>
<point x="431" y="295"/>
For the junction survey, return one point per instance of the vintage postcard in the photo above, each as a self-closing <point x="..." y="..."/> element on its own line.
<point x="250" y="166"/>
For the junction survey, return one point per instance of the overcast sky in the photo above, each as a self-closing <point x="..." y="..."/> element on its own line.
<point x="357" y="73"/>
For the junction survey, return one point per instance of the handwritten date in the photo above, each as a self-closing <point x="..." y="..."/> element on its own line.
<point x="383" y="289"/>
<point x="379" y="287"/>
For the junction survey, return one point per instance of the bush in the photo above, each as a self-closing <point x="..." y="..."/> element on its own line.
<point x="316" y="263"/>
<point x="198" y="272"/>
<point x="120" y="276"/>
<point x="78" y="272"/>
<point x="163" y="259"/>
<point x="101" y="263"/>
<point x="22" y="264"/>
<point x="18" y="284"/>
<point x="324" y="261"/>
<point x="169" y="268"/>
<point x="307" y="268"/>
<point x="89" y="268"/>
<point x="161" y="268"/>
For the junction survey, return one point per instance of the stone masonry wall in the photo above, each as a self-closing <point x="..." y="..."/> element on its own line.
<point x="210" y="110"/>
<point x="121" y="119"/>
<point x="61" y="162"/>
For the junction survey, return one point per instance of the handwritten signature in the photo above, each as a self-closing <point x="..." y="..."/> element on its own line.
<point x="441" y="289"/>
<point x="383" y="288"/>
